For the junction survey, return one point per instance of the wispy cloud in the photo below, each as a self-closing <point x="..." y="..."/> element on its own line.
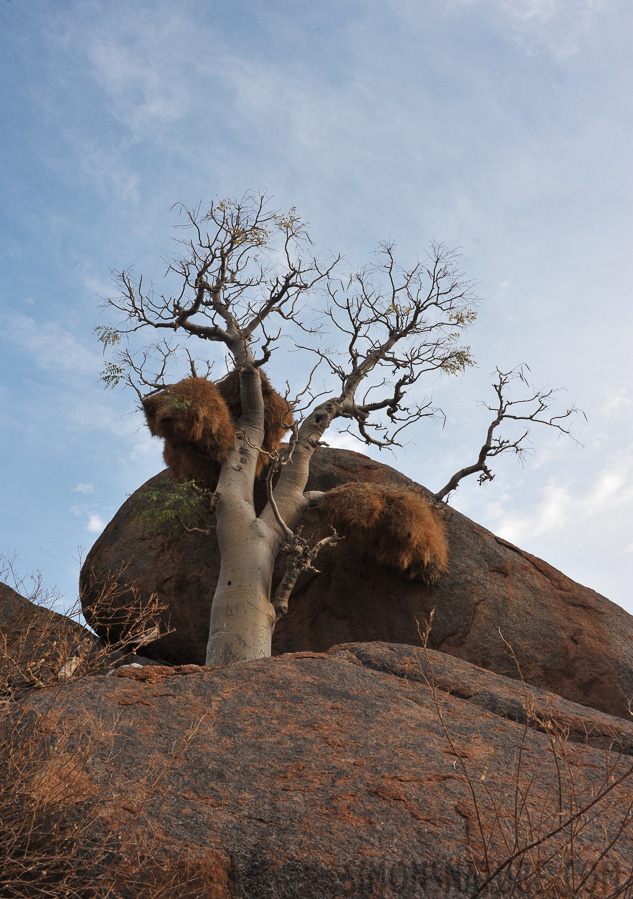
<point x="48" y="345"/>
<point x="502" y="289"/>
<point x="109" y="173"/>
<point x="555" y="25"/>
<point x="617" y="404"/>
<point x="530" y="9"/>
<point x="145" y="61"/>
<point x="564" y="504"/>
<point x="546" y="10"/>
<point x="83" y="488"/>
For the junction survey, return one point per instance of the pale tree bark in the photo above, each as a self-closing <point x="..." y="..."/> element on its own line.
<point x="242" y="617"/>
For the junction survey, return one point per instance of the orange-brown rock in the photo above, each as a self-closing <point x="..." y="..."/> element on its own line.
<point x="567" y="638"/>
<point x="369" y="771"/>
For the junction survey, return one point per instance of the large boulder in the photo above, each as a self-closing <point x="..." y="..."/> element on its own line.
<point x="369" y="771"/>
<point x="566" y="638"/>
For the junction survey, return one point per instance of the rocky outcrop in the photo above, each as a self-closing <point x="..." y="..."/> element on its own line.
<point x="40" y="647"/>
<point x="371" y="770"/>
<point x="37" y="645"/>
<point x="566" y="638"/>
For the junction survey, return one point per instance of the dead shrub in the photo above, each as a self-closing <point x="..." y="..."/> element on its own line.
<point x="121" y="613"/>
<point x="394" y="526"/>
<point x="55" y="836"/>
<point x="277" y="413"/>
<point x="193" y="419"/>
<point x="40" y="647"/>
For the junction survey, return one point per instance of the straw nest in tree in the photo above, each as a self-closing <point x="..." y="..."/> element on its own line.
<point x="277" y="412"/>
<point x="196" y="418"/>
<point x="395" y="526"/>
<point x="196" y="425"/>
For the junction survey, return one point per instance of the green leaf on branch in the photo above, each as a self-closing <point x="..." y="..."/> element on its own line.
<point x="458" y="361"/>
<point x="107" y="335"/>
<point x="175" y="403"/>
<point x="112" y="374"/>
<point x="172" y="507"/>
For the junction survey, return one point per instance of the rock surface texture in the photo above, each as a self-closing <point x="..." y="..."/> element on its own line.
<point x="567" y="638"/>
<point x="371" y="770"/>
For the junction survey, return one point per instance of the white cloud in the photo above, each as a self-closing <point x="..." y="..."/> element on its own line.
<point x="529" y="9"/>
<point x="144" y="62"/>
<point x="344" y="440"/>
<point x="581" y="12"/>
<point x="502" y="289"/>
<point x="613" y="487"/>
<point x="144" y="450"/>
<point x="557" y="25"/>
<point x="564" y="505"/>
<point x="96" y="524"/>
<point x="107" y="171"/>
<point x="97" y="284"/>
<point x="551" y="514"/>
<point x="93" y="520"/>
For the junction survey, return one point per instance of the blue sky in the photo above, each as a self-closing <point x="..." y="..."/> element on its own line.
<point x="503" y="127"/>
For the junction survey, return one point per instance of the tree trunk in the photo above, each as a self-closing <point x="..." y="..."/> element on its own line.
<point x="242" y="617"/>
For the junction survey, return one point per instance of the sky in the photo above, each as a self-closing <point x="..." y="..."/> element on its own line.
<point x="503" y="128"/>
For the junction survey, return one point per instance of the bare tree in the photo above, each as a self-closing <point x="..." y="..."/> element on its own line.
<point x="242" y="282"/>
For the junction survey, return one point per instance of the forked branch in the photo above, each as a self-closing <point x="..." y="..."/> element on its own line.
<point x="535" y="408"/>
<point x="300" y="555"/>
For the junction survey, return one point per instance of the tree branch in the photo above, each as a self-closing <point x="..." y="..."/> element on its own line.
<point x="537" y="405"/>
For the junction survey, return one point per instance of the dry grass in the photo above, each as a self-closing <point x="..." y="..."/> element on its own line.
<point x="193" y="419"/>
<point x="392" y="525"/>
<point x="196" y="418"/>
<point x="55" y="842"/>
<point x="557" y="826"/>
